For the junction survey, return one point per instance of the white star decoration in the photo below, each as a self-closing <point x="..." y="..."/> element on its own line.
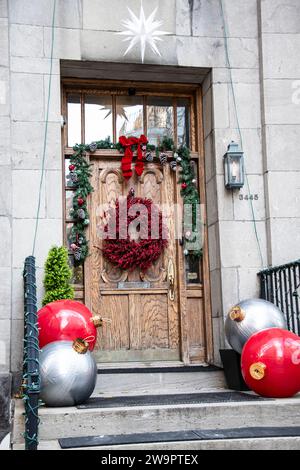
<point x="142" y="30"/>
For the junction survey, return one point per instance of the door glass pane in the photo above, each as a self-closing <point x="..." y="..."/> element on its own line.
<point x="183" y="122"/>
<point x="67" y="173"/>
<point x="98" y="118"/>
<point x="192" y="269"/>
<point x="129" y="111"/>
<point x="192" y="263"/>
<point x="74" y="120"/>
<point x="69" y="203"/>
<point x="160" y="119"/>
<point x="77" y="272"/>
<point x="69" y="227"/>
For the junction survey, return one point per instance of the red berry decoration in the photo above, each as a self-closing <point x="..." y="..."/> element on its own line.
<point x="271" y="363"/>
<point x="67" y="320"/>
<point x="71" y="167"/>
<point x="129" y="253"/>
<point x="184" y="186"/>
<point x="80" y="201"/>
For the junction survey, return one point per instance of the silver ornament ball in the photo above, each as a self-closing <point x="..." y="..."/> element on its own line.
<point x="249" y="317"/>
<point x="67" y="377"/>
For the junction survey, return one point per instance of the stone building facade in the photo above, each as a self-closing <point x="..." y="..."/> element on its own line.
<point x="263" y="43"/>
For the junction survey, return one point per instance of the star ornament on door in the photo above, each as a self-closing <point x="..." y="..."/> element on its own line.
<point x="143" y="31"/>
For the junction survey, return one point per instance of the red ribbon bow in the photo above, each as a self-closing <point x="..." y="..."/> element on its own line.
<point x="127" y="143"/>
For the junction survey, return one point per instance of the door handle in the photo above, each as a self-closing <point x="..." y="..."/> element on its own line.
<point x="171" y="280"/>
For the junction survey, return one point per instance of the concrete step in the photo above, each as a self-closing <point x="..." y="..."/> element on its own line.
<point x="279" y="443"/>
<point x="71" y="422"/>
<point x="128" y="384"/>
<point x="110" y="384"/>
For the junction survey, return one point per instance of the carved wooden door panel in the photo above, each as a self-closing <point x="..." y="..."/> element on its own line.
<point x="144" y="321"/>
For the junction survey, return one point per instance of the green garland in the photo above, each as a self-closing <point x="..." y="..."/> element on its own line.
<point x="191" y="200"/>
<point x="80" y="174"/>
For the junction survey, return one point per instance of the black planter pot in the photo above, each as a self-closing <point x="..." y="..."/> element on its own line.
<point x="232" y="369"/>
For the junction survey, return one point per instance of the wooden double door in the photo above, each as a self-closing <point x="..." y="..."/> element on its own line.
<point x="163" y="314"/>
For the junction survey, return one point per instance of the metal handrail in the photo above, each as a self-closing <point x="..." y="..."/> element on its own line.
<point x="280" y="267"/>
<point x="31" y="372"/>
<point x="281" y="286"/>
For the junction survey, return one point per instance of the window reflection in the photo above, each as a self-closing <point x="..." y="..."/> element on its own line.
<point x="74" y="120"/>
<point x="98" y="118"/>
<point x="183" y="123"/>
<point x="160" y="119"/>
<point x="129" y="111"/>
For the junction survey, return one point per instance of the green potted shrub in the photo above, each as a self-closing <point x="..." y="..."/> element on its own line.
<point x="58" y="274"/>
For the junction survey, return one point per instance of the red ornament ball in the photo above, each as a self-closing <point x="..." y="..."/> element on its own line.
<point x="271" y="363"/>
<point x="80" y="201"/>
<point x="184" y="186"/>
<point x="71" y="167"/>
<point x="67" y="320"/>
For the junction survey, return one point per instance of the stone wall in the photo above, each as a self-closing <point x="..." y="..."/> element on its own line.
<point x="30" y="65"/>
<point x="280" y="86"/>
<point x="5" y="223"/>
<point x="264" y="76"/>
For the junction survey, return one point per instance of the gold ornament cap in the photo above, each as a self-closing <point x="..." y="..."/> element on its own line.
<point x="237" y="314"/>
<point x="258" y="370"/>
<point x="80" y="346"/>
<point x="97" y="321"/>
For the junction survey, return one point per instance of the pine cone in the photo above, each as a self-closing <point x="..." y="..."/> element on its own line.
<point x="81" y="214"/>
<point x="77" y="254"/>
<point x="73" y="177"/>
<point x="93" y="146"/>
<point x="173" y="165"/>
<point x="149" y="157"/>
<point x="163" y="158"/>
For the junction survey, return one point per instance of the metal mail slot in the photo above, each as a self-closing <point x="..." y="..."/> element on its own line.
<point x="134" y="285"/>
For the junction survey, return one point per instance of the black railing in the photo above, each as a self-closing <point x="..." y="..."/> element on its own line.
<point x="31" y="373"/>
<point x="281" y="286"/>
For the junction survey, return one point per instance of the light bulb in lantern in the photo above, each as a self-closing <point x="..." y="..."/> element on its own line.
<point x="235" y="170"/>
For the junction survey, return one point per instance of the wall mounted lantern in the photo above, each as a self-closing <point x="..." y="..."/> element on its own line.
<point x="234" y="167"/>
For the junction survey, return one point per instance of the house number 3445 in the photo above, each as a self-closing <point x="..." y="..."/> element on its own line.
<point x="248" y="197"/>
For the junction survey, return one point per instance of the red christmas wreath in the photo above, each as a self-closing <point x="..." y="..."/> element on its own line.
<point x="149" y="241"/>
